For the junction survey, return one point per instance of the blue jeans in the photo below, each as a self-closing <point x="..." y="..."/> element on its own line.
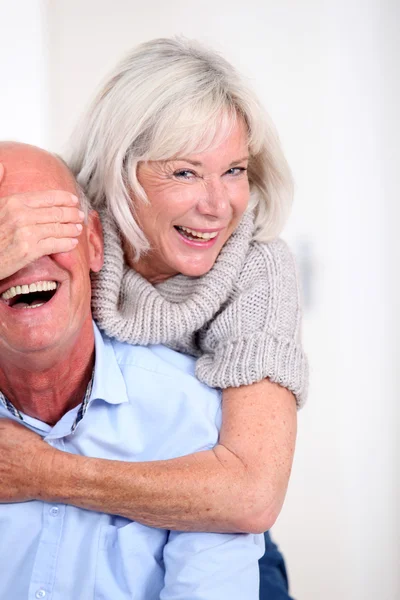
<point x="274" y="583"/>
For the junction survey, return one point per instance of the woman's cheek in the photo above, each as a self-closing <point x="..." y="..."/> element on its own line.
<point x="240" y="195"/>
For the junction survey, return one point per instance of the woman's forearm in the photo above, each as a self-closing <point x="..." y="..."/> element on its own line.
<point x="239" y="486"/>
<point x="206" y="491"/>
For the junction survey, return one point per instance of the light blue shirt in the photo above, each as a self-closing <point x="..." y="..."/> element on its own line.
<point x="146" y="404"/>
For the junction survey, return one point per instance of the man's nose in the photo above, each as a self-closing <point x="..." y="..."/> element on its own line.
<point x="215" y="200"/>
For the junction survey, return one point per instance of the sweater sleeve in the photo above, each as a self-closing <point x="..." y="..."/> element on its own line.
<point x="257" y="333"/>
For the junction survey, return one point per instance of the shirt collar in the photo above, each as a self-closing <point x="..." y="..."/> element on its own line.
<point x="108" y="381"/>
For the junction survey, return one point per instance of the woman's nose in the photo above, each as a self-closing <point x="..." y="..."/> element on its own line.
<point x="215" y="200"/>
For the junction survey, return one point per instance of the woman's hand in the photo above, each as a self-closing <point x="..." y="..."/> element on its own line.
<point x="23" y="455"/>
<point x="34" y="225"/>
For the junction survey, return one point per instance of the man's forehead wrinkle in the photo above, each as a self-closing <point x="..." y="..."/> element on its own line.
<point x="25" y="180"/>
<point x="25" y="154"/>
<point x="29" y="169"/>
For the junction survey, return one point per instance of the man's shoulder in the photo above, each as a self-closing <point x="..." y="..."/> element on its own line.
<point x="153" y="369"/>
<point x="156" y="393"/>
<point x="154" y="358"/>
<point x="160" y="363"/>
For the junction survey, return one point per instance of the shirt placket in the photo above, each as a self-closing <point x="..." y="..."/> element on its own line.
<point x="45" y="565"/>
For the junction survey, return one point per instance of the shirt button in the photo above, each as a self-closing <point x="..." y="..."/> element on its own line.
<point x="54" y="512"/>
<point x="40" y="594"/>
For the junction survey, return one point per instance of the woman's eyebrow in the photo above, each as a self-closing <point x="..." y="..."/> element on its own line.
<point x="236" y="162"/>
<point x="197" y="163"/>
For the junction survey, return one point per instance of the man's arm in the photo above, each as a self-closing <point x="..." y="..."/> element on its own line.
<point x="238" y="486"/>
<point x="212" y="566"/>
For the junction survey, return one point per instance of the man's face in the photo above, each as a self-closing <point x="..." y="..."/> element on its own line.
<point x="45" y="306"/>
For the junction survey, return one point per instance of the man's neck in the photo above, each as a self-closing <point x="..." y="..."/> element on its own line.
<point x="48" y="393"/>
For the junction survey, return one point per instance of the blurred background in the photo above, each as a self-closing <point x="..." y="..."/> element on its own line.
<point x="328" y="73"/>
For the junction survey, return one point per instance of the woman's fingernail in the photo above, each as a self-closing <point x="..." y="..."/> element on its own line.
<point x="79" y="227"/>
<point x="81" y="214"/>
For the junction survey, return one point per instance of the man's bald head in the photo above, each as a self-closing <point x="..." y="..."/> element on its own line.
<point x="32" y="169"/>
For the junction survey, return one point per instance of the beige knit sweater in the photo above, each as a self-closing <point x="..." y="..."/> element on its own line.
<point x="241" y="320"/>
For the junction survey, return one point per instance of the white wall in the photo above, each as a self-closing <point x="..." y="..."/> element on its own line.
<point x="326" y="71"/>
<point x="366" y="337"/>
<point x="23" y="72"/>
<point x="358" y="283"/>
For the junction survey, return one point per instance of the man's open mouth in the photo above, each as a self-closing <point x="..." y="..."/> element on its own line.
<point x="30" y="295"/>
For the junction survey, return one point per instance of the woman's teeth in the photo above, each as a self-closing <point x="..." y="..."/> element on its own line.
<point x="38" y="286"/>
<point x="192" y="234"/>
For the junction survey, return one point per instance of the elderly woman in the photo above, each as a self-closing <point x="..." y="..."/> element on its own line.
<point x="179" y="159"/>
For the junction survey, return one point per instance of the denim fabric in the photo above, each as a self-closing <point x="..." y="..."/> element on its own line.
<point x="274" y="584"/>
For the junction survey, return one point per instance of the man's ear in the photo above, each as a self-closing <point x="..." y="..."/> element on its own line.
<point x="95" y="241"/>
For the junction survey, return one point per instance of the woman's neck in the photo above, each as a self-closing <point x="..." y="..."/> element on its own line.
<point x="146" y="266"/>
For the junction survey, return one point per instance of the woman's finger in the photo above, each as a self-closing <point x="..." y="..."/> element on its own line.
<point x="31" y="243"/>
<point x="53" y="198"/>
<point x="56" y="214"/>
<point x="19" y="217"/>
<point x="43" y="199"/>
<point x="52" y="245"/>
<point x="56" y="230"/>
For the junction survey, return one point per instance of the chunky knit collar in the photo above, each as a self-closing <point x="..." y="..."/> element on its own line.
<point x="126" y="306"/>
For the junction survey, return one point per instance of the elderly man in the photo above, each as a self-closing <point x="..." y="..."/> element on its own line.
<point x="87" y="394"/>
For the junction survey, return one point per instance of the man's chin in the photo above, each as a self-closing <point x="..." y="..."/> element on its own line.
<point x="32" y="336"/>
<point x="33" y="341"/>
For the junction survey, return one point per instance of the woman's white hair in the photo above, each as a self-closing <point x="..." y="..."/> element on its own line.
<point x="168" y="97"/>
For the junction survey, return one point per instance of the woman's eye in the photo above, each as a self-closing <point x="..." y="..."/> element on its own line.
<point x="236" y="171"/>
<point x="184" y="174"/>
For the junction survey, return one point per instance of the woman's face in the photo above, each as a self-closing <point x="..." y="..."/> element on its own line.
<point x="195" y="204"/>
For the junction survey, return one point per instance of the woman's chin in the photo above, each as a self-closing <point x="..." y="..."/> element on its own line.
<point x="192" y="263"/>
<point x="193" y="269"/>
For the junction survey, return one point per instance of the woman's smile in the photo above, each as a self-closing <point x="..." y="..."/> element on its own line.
<point x="197" y="238"/>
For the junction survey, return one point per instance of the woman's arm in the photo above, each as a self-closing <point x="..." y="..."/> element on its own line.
<point x="239" y="486"/>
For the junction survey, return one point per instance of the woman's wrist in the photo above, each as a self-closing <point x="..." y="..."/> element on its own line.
<point x="44" y="476"/>
<point x="67" y="478"/>
<point x="53" y="474"/>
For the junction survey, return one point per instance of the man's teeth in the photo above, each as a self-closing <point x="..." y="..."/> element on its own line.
<point x="38" y="286"/>
<point x="199" y="234"/>
<point x="22" y="305"/>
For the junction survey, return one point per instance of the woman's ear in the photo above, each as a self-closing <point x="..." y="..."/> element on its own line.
<point x="95" y="241"/>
